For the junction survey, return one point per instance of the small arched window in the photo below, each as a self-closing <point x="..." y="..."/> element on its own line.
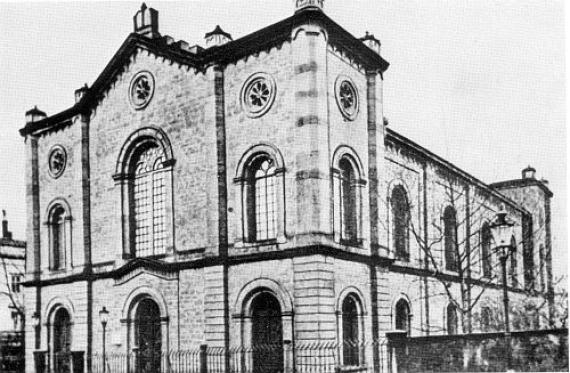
<point x="349" y="200"/>
<point x="148" y="200"/>
<point x="400" y="223"/>
<point x="514" y="263"/>
<point x="261" y="199"/>
<point x="351" y="330"/>
<point x="403" y="316"/>
<point x="450" y="239"/>
<point x="58" y="241"/>
<point x="451" y="319"/>
<point x="485" y="239"/>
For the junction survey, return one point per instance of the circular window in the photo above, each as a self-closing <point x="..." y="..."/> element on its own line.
<point x="346" y="97"/>
<point x="258" y="94"/>
<point x="141" y="89"/>
<point x="57" y="161"/>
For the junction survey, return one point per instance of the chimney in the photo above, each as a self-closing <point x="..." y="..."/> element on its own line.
<point x="5" y="233"/>
<point x="529" y="173"/>
<point x="79" y="93"/>
<point x="146" y="22"/>
<point x="217" y="37"/>
<point x="371" y="42"/>
<point x="308" y="4"/>
<point x="34" y="115"/>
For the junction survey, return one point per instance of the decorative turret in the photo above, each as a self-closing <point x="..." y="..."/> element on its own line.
<point x="308" y="4"/>
<point x="34" y="115"/>
<point x="529" y="173"/>
<point x="146" y="22"/>
<point x="371" y="42"/>
<point x="217" y="37"/>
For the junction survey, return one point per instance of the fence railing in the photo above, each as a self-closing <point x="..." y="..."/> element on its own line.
<point x="304" y="357"/>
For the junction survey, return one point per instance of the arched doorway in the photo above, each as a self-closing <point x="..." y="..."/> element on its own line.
<point x="266" y="334"/>
<point x="148" y="337"/>
<point x="62" y="341"/>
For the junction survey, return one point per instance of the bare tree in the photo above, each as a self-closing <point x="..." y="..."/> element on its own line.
<point x="11" y="289"/>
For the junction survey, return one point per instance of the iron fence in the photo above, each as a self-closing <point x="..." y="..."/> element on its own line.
<point x="303" y="357"/>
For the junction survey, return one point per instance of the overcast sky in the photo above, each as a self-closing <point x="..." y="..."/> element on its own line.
<point x="480" y="83"/>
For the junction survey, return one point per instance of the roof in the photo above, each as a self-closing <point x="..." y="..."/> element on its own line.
<point x="521" y="183"/>
<point x="201" y="59"/>
<point x="395" y="136"/>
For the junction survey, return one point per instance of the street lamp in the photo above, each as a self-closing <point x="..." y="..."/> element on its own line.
<point x="104" y="318"/>
<point x="502" y="231"/>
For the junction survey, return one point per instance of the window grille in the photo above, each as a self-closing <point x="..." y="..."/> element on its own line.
<point x="262" y="200"/>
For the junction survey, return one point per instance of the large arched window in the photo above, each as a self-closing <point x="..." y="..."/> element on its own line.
<point x="400" y="223"/>
<point x="403" y="317"/>
<point x="451" y="318"/>
<point x="485" y="239"/>
<point x="261" y="198"/>
<point x="148" y="193"/>
<point x="450" y="238"/>
<point x="144" y="171"/>
<point x="351" y="310"/>
<point x="348" y="199"/>
<point x="58" y="239"/>
<point x="514" y="263"/>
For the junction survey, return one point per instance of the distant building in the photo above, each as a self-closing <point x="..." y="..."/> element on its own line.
<point x="12" y="270"/>
<point x="250" y="192"/>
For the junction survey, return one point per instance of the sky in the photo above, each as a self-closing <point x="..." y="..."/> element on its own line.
<point x="480" y="83"/>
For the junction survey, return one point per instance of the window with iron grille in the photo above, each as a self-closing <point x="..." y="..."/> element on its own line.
<point x="262" y="199"/>
<point x="148" y="206"/>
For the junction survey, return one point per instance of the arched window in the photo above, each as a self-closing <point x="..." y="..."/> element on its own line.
<point x="485" y="319"/>
<point x="266" y="334"/>
<point x="148" y="193"/>
<point x="349" y="202"/>
<point x="261" y="199"/>
<point x="148" y="336"/>
<point x="451" y="319"/>
<point x="400" y="222"/>
<point x="485" y="239"/>
<point x="144" y="174"/>
<point x="513" y="268"/>
<point x="403" y="316"/>
<point x="351" y="330"/>
<point x="450" y="238"/>
<point x="59" y="234"/>
<point x="61" y="330"/>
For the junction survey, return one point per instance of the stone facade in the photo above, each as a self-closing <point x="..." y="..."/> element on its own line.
<point x="209" y="274"/>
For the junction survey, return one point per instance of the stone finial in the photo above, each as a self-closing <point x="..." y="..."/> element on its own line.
<point x="308" y="4"/>
<point x="146" y="22"/>
<point x="80" y="92"/>
<point x="217" y="37"/>
<point x="529" y="173"/>
<point x="371" y="42"/>
<point x="35" y="115"/>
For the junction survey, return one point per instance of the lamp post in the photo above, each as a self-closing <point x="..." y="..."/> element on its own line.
<point x="104" y="318"/>
<point x="502" y="231"/>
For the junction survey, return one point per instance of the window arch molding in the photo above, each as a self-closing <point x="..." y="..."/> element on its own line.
<point x="243" y="308"/>
<point x="348" y="182"/>
<point x="146" y="190"/>
<point x="129" y="311"/>
<point x="393" y="186"/>
<point x="397" y="302"/>
<point x="53" y="306"/>
<point x="252" y="210"/>
<point x="58" y="220"/>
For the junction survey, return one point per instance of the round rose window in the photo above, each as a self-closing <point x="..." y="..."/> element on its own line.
<point x="57" y="161"/>
<point x="141" y="89"/>
<point x="346" y="98"/>
<point x="258" y="94"/>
